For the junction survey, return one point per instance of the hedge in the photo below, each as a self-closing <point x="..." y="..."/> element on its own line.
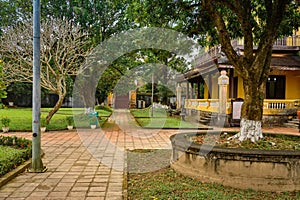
<point x="23" y="152"/>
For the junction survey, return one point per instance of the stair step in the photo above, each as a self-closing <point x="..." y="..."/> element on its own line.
<point x="291" y="125"/>
<point x="203" y="121"/>
<point x="291" y="122"/>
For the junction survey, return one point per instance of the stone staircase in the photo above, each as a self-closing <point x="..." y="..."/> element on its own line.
<point x="293" y="123"/>
<point x="207" y="118"/>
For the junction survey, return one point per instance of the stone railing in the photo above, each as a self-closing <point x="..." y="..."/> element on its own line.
<point x="278" y="107"/>
<point x="208" y="105"/>
<point x="271" y="106"/>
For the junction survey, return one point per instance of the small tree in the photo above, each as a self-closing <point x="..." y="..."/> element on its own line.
<point x="63" y="48"/>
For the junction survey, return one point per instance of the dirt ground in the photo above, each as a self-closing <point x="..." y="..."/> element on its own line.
<point x="147" y="160"/>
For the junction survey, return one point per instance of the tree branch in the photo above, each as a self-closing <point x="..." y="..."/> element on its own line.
<point x="224" y="36"/>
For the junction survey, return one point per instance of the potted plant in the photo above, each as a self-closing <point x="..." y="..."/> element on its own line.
<point x="93" y="122"/>
<point x="5" y="122"/>
<point x="43" y="125"/>
<point x="70" y="122"/>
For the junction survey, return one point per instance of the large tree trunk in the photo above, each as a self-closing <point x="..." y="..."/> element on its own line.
<point x="88" y="100"/>
<point x="55" y="108"/>
<point x="252" y="111"/>
<point x="86" y="84"/>
<point x="252" y="66"/>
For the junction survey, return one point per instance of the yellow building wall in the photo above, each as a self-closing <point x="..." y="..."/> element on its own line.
<point x="292" y="90"/>
<point x="240" y="93"/>
<point x="215" y="86"/>
<point x="240" y="89"/>
<point x="205" y="91"/>
<point x="292" y="84"/>
<point x="110" y="99"/>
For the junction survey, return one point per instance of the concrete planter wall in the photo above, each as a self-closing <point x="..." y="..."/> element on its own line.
<point x="239" y="168"/>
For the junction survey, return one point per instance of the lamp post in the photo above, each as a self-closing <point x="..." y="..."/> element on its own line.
<point x="152" y="94"/>
<point x="36" y="163"/>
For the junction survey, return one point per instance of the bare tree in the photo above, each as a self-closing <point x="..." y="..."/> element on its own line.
<point x="63" y="48"/>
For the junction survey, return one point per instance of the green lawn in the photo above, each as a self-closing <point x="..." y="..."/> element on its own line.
<point x="160" y="119"/>
<point x="168" y="122"/>
<point x="147" y="112"/>
<point x="21" y="118"/>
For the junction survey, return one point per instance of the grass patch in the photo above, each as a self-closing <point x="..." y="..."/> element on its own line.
<point x="21" y="118"/>
<point x="147" y="112"/>
<point x="168" y="122"/>
<point x="160" y="119"/>
<point x="13" y="152"/>
<point x="167" y="184"/>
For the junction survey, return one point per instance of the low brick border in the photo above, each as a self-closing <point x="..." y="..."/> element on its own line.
<point x="15" y="172"/>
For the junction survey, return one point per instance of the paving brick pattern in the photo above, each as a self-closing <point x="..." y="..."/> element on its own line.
<point x="89" y="164"/>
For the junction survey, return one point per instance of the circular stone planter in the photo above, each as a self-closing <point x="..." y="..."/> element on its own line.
<point x="267" y="170"/>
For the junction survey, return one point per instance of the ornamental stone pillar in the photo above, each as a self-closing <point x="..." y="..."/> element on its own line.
<point x="223" y="82"/>
<point x="178" y="96"/>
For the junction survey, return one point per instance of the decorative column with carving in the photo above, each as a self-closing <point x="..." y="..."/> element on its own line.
<point x="178" y="96"/>
<point x="223" y="82"/>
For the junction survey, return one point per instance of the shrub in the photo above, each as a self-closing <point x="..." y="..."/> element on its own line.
<point x="21" y="152"/>
<point x="5" y="121"/>
<point x="103" y="107"/>
<point x="43" y="122"/>
<point x="93" y="120"/>
<point x="70" y="120"/>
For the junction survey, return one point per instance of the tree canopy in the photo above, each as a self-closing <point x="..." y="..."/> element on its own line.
<point x="211" y="22"/>
<point x="258" y="22"/>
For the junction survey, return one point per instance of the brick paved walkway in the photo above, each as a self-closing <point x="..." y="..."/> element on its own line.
<point x="89" y="164"/>
<point x="84" y="164"/>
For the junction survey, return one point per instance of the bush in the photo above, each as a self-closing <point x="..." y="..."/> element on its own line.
<point x="20" y="152"/>
<point x="5" y="121"/>
<point x="103" y="107"/>
<point x="70" y="120"/>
